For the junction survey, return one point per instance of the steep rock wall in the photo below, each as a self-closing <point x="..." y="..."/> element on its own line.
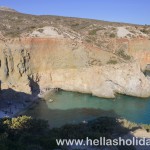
<point x="138" y="48"/>
<point x="74" y="66"/>
<point x="103" y="81"/>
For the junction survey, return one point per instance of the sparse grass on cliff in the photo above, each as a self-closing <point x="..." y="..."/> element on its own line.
<point x="112" y="35"/>
<point x="96" y="33"/>
<point x="122" y="54"/>
<point x="111" y="61"/>
<point x="93" y="32"/>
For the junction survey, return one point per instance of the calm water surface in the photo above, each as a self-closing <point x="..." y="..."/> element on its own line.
<point x="70" y="107"/>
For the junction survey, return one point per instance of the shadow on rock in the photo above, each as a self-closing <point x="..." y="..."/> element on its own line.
<point x="35" y="89"/>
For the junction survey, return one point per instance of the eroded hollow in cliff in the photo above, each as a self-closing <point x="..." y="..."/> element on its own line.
<point x="147" y="70"/>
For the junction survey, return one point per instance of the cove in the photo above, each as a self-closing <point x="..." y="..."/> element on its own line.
<point x="71" y="107"/>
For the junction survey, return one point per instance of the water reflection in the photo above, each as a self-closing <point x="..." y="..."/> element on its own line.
<point x="70" y="107"/>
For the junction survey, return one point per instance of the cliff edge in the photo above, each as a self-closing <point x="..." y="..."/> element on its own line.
<point x="89" y="56"/>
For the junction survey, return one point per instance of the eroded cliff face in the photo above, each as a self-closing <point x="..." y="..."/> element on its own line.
<point x="75" y="66"/>
<point x="138" y="48"/>
<point x="103" y="81"/>
<point x="90" y="56"/>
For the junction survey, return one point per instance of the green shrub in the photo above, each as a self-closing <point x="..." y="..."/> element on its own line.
<point x="111" y="61"/>
<point x="74" y="25"/>
<point x="25" y="133"/>
<point x="40" y="30"/>
<point x="13" y="33"/>
<point x="112" y="35"/>
<point x="144" y="31"/>
<point x="88" y="40"/>
<point x="32" y="27"/>
<point x="93" y="32"/>
<point x="122" y="54"/>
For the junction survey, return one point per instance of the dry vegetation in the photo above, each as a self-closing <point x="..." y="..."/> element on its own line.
<point x="14" y="24"/>
<point x="94" y="32"/>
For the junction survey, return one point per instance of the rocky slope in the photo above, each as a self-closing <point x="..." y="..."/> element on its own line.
<point x="89" y="56"/>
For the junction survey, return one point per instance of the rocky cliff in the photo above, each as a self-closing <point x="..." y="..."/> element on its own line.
<point x="73" y="54"/>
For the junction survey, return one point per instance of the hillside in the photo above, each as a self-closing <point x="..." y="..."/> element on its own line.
<point x="66" y="53"/>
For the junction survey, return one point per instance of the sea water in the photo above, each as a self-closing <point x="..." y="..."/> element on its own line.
<point x="72" y="107"/>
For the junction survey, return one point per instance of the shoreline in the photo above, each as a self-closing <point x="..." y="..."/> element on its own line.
<point x="45" y="91"/>
<point x="16" y="107"/>
<point x="26" y="108"/>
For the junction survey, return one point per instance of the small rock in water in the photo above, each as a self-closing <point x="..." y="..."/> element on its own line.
<point x="50" y="100"/>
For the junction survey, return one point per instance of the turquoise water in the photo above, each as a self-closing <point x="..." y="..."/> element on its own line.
<point x="70" y="107"/>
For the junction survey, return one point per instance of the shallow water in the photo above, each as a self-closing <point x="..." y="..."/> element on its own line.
<point x="70" y="107"/>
